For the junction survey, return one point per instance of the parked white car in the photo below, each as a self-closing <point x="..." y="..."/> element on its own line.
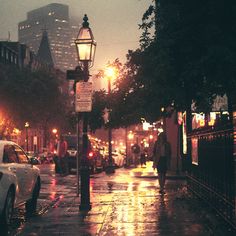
<point x="118" y="159"/>
<point x="19" y="181"/>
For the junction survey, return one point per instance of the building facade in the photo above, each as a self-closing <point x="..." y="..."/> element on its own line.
<point x="54" y="18"/>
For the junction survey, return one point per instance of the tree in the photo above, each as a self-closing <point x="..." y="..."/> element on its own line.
<point x="32" y="96"/>
<point x="96" y="120"/>
<point x="190" y="56"/>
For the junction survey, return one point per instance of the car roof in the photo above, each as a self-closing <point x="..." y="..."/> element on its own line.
<point x="2" y="144"/>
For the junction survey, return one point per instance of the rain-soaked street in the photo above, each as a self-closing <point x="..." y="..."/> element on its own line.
<point x="125" y="203"/>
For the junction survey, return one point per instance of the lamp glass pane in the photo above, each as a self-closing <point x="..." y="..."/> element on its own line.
<point x="84" y="51"/>
<point x="93" y="51"/>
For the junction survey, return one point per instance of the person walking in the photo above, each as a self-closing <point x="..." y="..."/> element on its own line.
<point x="136" y="153"/>
<point x="161" y="157"/>
<point x="62" y="156"/>
<point x="143" y="158"/>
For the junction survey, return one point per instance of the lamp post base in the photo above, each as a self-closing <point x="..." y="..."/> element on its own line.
<point x="86" y="207"/>
<point x="110" y="169"/>
<point x="85" y="204"/>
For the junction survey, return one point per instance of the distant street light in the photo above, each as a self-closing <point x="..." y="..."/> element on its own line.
<point x="54" y="131"/>
<point x="85" y="45"/>
<point x="27" y="135"/>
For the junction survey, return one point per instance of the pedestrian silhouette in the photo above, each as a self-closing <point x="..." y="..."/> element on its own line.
<point x="161" y="157"/>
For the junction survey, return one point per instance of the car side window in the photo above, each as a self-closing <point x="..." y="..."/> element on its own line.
<point x="23" y="159"/>
<point x="9" y="155"/>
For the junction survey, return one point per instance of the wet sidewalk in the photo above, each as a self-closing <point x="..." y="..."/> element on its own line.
<point x="126" y="203"/>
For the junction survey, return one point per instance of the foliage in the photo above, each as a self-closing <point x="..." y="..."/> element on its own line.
<point x="31" y="96"/>
<point x="98" y="105"/>
<point x="191" y="58"/>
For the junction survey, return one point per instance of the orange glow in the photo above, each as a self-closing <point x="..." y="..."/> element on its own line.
<point x="202" y="123"/>
<point x="130" y="135"/>
<point x="110" y="72"/>
<point x="52" y="196"/>
<point x="211" y="122"/>
<point x="16" y="131"/>
<point x="54" y="131"/>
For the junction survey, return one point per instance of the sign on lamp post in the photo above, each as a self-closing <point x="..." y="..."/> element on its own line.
<point x="83" y="97"/>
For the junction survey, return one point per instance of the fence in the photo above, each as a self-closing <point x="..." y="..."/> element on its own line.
<point x="212" y="173"/>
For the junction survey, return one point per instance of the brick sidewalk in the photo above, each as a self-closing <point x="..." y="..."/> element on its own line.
<point x="123" y="204"/>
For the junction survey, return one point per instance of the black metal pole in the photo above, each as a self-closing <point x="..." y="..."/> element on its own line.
<point x="110" y="145"/>
<point x="78" y="155"/>
<point x="110" y="169"/>
<point x="27" y="140"/>
<point x="85" y="204"/>
<point x="126" y="147"/>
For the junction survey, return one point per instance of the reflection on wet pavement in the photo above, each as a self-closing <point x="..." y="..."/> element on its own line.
<point x="122" y="204"/>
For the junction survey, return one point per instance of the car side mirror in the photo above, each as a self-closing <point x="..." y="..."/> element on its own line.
<point x="32" y="161"/>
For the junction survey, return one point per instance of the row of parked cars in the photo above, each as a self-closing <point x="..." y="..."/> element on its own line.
<point x="98" y="160"/>
<point x="97" y="155"/>
<point x="19" y="181"/>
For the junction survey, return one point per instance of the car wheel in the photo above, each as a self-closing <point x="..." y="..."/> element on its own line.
<point x="8" y="208"/>
<point x="31" y="204"/>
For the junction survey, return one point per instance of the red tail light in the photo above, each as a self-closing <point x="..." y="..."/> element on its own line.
<point x="90" y="154"/>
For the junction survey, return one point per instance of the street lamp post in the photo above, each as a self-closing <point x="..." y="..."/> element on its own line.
<point x="85" y="45"/>
<point x="109" y="72"/>
<point x="110" y="168"/>
<point x="27" y="135"/>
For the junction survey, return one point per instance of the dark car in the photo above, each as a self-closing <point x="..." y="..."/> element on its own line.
<point x="72" y="141"/>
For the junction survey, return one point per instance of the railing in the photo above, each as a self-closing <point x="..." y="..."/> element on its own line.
<point x="212" y="177"/>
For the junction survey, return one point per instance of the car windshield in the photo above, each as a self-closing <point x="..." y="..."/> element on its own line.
<point x="71" y="141"/>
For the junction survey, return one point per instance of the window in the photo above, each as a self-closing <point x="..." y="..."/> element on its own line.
<point x="21" y="155"/>
<point x="9" y="155"/>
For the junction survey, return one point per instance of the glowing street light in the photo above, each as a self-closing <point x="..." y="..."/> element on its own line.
<point x="110" y="73"/>
<point x="27" y="135"/>
<point x="54" y="131"/>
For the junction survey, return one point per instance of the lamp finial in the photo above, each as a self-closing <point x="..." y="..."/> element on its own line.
<point x="85" y="23"/>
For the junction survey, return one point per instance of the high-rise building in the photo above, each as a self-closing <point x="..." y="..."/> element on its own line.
<point x="54" y="18"/>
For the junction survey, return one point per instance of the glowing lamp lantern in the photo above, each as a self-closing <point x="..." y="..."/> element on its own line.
<point x="85" y="43"/>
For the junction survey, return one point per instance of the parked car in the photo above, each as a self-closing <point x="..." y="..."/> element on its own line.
<point x="96" y="160"/>
<point x="19" y="181"/>
<point x="118" y="159"/>
<point x="94" y="157"/>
